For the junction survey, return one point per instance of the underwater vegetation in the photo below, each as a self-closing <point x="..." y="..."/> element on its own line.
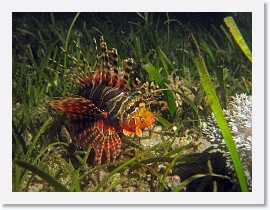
<point x="157" y="104"/>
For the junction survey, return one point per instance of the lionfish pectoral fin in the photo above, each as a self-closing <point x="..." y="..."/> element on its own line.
<point x="75" y="106"/>
<point x="106" y="142"/>
<point x="112" y="147"/>
<point x="126" y="132"/>
<point x="108" y="145"/>
<point x="90" y="137"/>
<point x="82" y="131"/>
<point x="138" y="131"/>
<point x="98" y="146"/>
<point x="116" y="144"/>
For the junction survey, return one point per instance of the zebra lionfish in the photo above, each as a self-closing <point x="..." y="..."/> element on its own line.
<point x="104" y="106"/>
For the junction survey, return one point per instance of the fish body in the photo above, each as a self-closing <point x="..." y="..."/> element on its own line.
<point x="104" y="107"/>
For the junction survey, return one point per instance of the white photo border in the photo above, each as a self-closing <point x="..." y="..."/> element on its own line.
<point x="257" y="196"/>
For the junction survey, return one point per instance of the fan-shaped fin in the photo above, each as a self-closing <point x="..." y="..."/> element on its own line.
<point x="82" y="132"/>
<point x="107" y="140"/>
<point x="76" y="106"/>
<point x="100" y="135"/>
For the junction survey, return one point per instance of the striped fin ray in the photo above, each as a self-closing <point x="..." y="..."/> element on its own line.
<point x="80" y="77"/>
<point x="80" y="73"/>
<point x="97" y="56"/>
<point x="76" y="106"/>
<point x="80" y="81"/>
<point x="83" y="132"/>
<point x="74" y="60"/>
<point x="106" y="141"/>
<point x="69" y="71"/>
<point x="106" y="74"/>
<point x="114" y="73"/>
<point x="105" y="55"/>
<point x="102" y="137"/>
<point x="102" y="74"/>
<point x="115" y="143"/>
<point x="127" y="64"/>
<point x="82" y="55"/>
<point x="80" y="129"/>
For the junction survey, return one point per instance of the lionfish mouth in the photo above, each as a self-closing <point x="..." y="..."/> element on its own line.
<point x="104" y="106"/>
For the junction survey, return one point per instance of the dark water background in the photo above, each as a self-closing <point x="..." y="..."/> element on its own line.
<point x="32" y="31"/>
<point x="191" y="20"/>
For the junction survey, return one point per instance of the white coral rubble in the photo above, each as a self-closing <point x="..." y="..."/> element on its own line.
<point x="239" y="118"/>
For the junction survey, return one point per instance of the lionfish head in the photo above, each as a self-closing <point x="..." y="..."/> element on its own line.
<point x="138" y="120"/>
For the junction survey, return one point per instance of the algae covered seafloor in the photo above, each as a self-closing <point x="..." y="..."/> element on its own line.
<point x="183" y="151"/>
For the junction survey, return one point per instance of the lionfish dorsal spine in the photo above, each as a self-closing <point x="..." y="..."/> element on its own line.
<point x="127" y="65"/>
<point x="115" y="75"/>
<point x="87" y="64"/>
<point x="106" y="67"/>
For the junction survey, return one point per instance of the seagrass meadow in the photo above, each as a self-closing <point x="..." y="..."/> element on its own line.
<point x="131" y="102"/>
